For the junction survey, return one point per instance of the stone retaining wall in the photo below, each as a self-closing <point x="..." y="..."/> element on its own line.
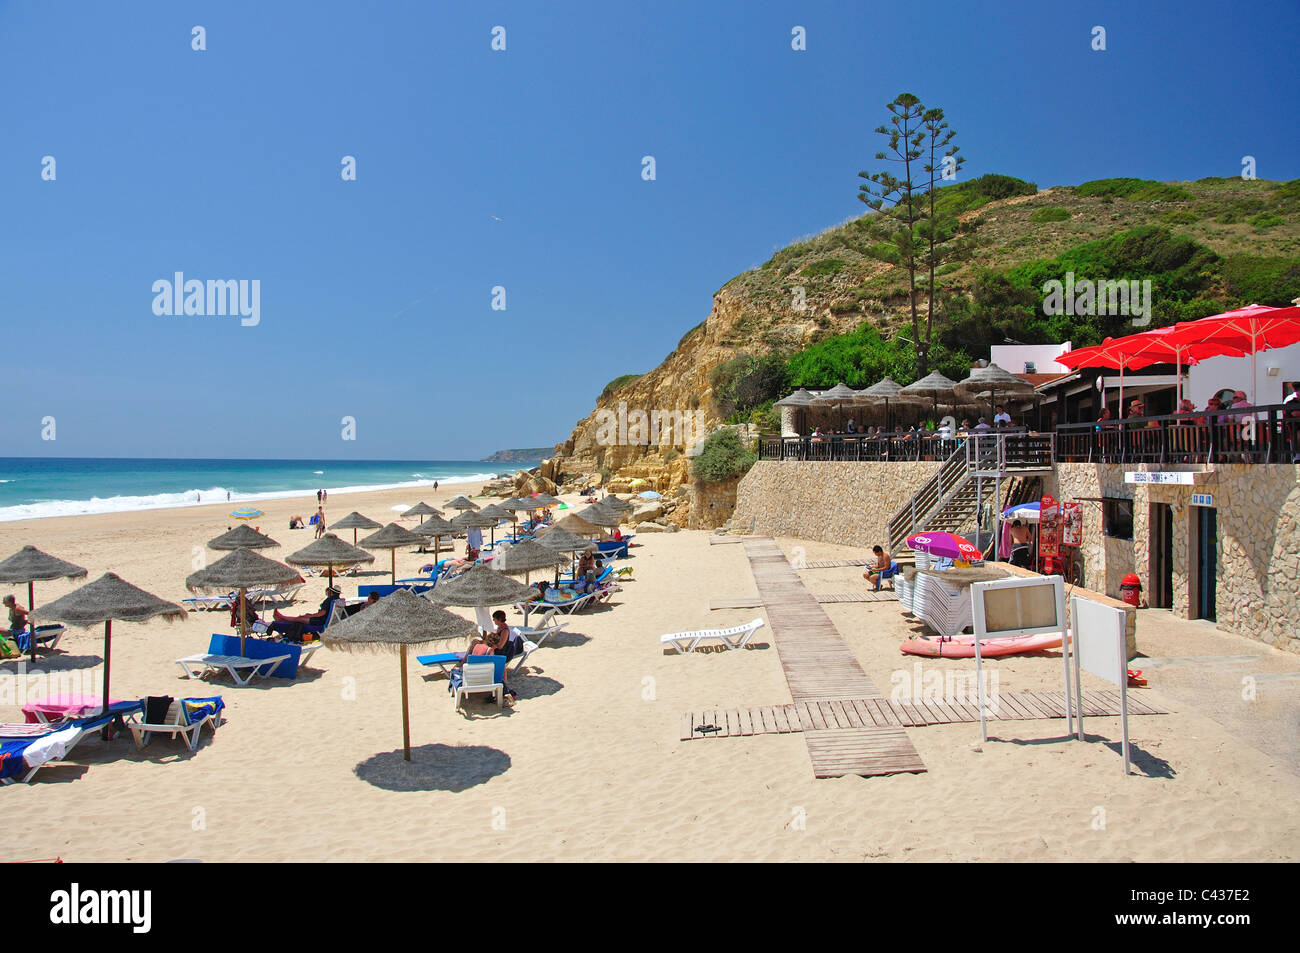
<point x="849" y="503"/>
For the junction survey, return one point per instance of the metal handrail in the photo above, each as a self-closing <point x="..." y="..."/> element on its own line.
<point x="1268" y="434"/>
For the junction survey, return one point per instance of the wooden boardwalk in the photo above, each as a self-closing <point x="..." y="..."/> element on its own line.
<point x="862" y="595"/>
<point x="856" y="713"/>
<point x="820" y="667"/>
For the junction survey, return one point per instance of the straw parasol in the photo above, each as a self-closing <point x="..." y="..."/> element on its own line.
<point x="329" y="551"/>
<point x="616" y="504"/>
<point x="355" y="521"/>
<point x="800" y="400"/>
<point x="526" y="557"/>
<point x="420" y="509"/>
<point x="470" y="520"/>
<point x="540" y="500"/>
<point x="437" y="527"/>
<point x="461" y="502"/>
<point x="573" y="523"/>
<point x="934" y="385"/>
<point x="837" y="397"/>
<point x="514" y="506"/>
<point x="890" y="391"/>
<point x="392" y="538"/>
<point x="992" y="381"/>
<point x="400" y="619"/>
<point x="107" y="598"/>
<point x="479" y="587"/>
<point x="242" y="569"/>
<point x="242" y="536"/>
<point x="30" y="565"/>
<point x="560" y="539"/>
<point x="600" y="515"/>
<point x="497" y="514"/>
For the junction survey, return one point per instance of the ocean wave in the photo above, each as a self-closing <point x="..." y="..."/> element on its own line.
<point x="209" y="497"/>
<point x="317" y="472"/>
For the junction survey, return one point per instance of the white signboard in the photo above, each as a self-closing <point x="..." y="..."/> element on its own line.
<point x="1011" y="608"/>
<point x="1163" y="477"/>
<point x="1202" y="499"/>
<point x="1100" y="648"/>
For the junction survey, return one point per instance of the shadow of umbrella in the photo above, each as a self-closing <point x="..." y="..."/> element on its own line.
<point x="434" y="767"/>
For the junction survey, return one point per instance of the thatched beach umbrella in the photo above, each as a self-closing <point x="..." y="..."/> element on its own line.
<point x="471" y="520"/>
<point x="992" y="381"/>
<point x="496" y="513"/>
<point x="392" y="537"/>
<point x="242" y="569"/>
<point x="934" y="385"/>
<point x="616" y="504"/>
<point x="600" y="515"/>
<point x="526" y="557"/>
<point x="479" y="587"/>
<point x="461" y="502"/>
<point x="540" y="500"/>
<point x="242" y="536"/>
<point x="355" y="521"/>
<point x="437" y="527"/>
<point x="837" y="397"/>
<point x="420" y="509"/>
<point x="107" y="598"/>
<point x="514" y="506"/>
<point x="560" y="539"/>
<point x="889" y="391"/>
<point x="329" y="551"/>
<point x="400" y="619"/>
<point x="30" y="565"/>
<point x="573" y="523"/>
<point x="799" y="401"/>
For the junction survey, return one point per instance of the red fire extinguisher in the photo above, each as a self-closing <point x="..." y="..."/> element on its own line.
<point x="1130" y="588"/>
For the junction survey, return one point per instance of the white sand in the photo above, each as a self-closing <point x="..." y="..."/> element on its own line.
<point x="587" y="765"/>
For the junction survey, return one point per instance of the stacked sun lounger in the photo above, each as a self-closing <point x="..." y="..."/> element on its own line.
<point x="943" y="607"/>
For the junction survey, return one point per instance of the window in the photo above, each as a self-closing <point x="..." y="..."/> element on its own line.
<point x="1117" y="518"/>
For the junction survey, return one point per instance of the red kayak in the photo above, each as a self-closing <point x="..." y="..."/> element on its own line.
<point x="963" y="646"/>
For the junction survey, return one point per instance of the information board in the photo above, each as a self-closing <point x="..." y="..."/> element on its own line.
<point x="1049" y="526"/>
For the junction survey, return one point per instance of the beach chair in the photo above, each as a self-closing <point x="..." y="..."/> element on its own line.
<point x="481" y="674"/>
<point x="25" y="749"/>
<point x="446" y="662"/>
<point x="47" y="638"/>
<point x="209" y="603"/>
<point x="737" y="637"/>
<point x="529" y="648"/>
<point x="240" y="668"/>
<point x="545" y="627"/>
<point x="185" y="717"/>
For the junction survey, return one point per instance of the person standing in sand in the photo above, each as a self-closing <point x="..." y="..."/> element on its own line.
<point x="320" y="521"/>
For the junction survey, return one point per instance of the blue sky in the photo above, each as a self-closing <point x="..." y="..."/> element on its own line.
<point x="521" y="169"/>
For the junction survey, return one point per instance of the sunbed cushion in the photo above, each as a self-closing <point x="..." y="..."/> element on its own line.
<point x="260" y="648"/>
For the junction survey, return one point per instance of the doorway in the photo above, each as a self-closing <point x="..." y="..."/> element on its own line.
<point x="1205" y="567"/>
<point x="1161" y="549"/>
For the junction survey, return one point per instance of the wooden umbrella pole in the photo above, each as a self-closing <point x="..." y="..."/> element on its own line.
<point x="406" y="714"/>
<point x="393" y="570"/>
<point x="31" y="604"/>
<point x="243" y="617"/>
<point x="108" y="642"/>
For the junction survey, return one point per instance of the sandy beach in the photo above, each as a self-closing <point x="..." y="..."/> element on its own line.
<point x="588" y="765"/>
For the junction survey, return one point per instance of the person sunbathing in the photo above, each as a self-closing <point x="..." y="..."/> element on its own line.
<point x="312" y="618"/>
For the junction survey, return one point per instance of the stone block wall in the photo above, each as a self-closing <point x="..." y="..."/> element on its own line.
<point x="849" y="503"/>
<point x="712" y="504"/>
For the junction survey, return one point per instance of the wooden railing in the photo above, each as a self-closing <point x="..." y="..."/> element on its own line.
<point x="995" y="450"/>
<point x="1269" y="434"/>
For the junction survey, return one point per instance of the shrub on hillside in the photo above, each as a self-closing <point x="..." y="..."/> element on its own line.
<point x="1050" y="213"/>
<point x="618" y="384"/>
<point x="722" y="457"/>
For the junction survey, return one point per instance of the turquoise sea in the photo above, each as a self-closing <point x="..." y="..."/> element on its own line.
<point x="33" y="487"/>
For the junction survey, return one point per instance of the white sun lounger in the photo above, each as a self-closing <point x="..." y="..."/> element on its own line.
<point x="737" y="637"/>
<point x="547" y="625"/>
<point x="173" y="724"/>
<point x="196" y="666"/>
<point x="478" y="678"/>
<point x="195" y="603"/>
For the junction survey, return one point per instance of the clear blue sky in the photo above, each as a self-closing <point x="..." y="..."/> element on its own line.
<point x="375" y="294"/>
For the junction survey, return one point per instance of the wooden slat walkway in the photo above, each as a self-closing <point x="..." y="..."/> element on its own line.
<point x="882" y="713"/>
<point x="723" y="540"/>
<point x="820" y="667"/>
<point x="742" y="602"/>
<point x="862" y="595"/>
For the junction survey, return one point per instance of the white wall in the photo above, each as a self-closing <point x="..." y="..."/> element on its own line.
<point x="1012" y="357"/>
<point x="1216" y="373"/>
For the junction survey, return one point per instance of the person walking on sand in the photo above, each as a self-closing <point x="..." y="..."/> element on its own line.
<point x="319" y="501"/>
<point x="320" y="522"/>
